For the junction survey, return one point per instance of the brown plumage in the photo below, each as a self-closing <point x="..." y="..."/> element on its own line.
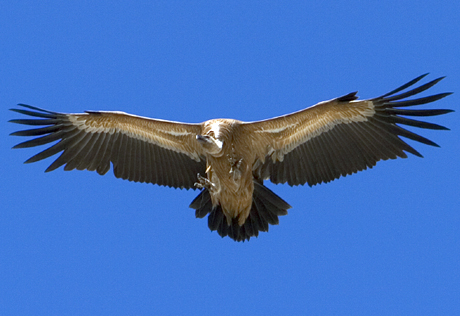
<point x="230" y="159"/>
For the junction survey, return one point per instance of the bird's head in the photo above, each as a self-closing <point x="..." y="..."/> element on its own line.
<point x="211" y="145"/>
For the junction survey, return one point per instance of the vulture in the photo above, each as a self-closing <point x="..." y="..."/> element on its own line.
<point x="228" y="160"/>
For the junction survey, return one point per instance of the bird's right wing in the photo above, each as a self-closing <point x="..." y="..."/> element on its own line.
<point x="140" y="149"/>
<point x="341" y="136"/>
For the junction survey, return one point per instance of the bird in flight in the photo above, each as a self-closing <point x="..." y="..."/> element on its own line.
<point x="227" y="159"/>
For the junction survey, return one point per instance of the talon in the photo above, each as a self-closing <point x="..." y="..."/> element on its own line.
<point x="203" y="183"/>
<point x="238" y="164"/>
<point x="235" y="164"/>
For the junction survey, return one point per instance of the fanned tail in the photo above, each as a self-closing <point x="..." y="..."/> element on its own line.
<point x="266" y="207"/>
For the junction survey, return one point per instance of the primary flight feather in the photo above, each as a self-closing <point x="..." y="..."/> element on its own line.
<point x="229" y="159"/>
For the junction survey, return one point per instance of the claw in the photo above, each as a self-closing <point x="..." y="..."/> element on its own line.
<point x="203" y="183"/>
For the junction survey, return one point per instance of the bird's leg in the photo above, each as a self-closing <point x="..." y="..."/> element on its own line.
<point x="235" y="165"/>
<point x="235" y="169"/>
<point x="204" y="183"/>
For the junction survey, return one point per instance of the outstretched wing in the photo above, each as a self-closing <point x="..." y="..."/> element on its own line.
<point x="341" y="136"/>
<point x="140" y="149"/>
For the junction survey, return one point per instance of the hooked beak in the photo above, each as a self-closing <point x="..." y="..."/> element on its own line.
<point x="202" y="139"/>
<point x="210" y="144"/>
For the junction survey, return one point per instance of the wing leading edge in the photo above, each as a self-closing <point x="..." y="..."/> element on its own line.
<point x="140" y="149"/>
<point x="342" y="136"/>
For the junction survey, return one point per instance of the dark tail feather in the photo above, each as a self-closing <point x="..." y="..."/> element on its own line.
<point x="266" y="207"/>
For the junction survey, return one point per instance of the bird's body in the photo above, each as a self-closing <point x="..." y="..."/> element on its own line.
<point x="229" y="171"/>
<point x="229" y="159"/>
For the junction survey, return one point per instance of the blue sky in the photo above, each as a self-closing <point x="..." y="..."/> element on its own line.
<point x="384" y="241"/>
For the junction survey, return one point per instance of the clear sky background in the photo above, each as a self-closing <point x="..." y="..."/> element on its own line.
<point x="384" y="241"/>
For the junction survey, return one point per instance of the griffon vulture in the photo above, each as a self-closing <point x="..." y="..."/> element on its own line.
<point x="229" y="159"/>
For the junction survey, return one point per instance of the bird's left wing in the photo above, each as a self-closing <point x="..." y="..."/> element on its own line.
<point x="140" y="149"/>
<point x="339" y="137"/>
